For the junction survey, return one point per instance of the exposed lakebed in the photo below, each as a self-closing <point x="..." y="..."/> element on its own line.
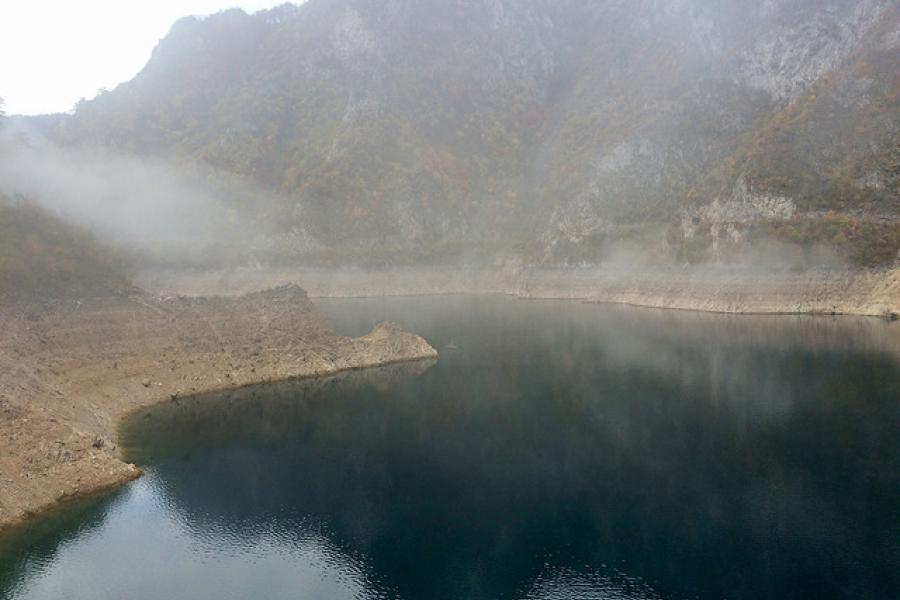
<point x="556" y="450"/>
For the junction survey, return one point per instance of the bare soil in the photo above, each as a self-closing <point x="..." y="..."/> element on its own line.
<point x="718" y="289"/>
<point x="70" y="370"/>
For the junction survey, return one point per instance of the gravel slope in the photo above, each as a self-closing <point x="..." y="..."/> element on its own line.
<point x="71" y="370"/>
<point x="719" y="289"/>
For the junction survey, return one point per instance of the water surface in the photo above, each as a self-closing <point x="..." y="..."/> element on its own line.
<point x="556" y="450"/>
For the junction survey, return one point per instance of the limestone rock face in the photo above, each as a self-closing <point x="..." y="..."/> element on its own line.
<point x="421" y="125"/>
<point x="793" y="54"/>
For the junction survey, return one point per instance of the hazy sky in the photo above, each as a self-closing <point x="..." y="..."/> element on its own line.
<point x="55" y="52"/>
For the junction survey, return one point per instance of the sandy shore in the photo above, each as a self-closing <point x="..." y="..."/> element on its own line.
<point x="71" y="370"/>
<point x="721" y="289"/>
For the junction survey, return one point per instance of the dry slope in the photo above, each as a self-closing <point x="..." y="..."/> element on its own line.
<point x="70" y="370"/>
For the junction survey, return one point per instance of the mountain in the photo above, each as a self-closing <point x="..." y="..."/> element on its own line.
<point x="553" y="131"/>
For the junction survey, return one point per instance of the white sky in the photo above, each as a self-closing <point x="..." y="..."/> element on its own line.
<point x="55" y="52"/>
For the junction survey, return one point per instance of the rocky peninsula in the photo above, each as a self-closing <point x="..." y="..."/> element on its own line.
<point x="71" y="370"/>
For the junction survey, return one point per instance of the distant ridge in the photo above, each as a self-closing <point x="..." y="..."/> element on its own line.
<point x="551" y="130"/>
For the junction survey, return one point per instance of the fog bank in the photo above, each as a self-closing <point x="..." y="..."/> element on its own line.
<point x="140" y="204"/>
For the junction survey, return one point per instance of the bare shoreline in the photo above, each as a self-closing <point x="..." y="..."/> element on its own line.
<point x="738" y="291"/>
<point x="72" y="371"/>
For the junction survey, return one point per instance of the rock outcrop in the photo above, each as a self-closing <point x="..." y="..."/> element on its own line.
<point x="429" y="125"/>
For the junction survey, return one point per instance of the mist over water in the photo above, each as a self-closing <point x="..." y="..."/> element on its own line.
<point x="439" y="159"/>
<point x="555" y="450"/>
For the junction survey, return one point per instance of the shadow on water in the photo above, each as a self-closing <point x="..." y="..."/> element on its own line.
<point x="556" y="450"/>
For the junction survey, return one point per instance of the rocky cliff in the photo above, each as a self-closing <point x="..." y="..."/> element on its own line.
<point x="546" y="129"/>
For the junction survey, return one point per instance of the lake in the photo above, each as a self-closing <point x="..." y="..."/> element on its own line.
<point x="556" y="450"/>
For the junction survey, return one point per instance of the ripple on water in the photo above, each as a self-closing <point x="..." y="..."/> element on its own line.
<point x="561" y="583"/>
<point x="561" y="452"/>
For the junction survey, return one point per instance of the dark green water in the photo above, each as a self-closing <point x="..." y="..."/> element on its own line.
<point x="556" y="450"/>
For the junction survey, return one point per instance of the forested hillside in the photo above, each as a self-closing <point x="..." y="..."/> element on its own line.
<point x="546" y="130"/>
<point x="43" y="257"/>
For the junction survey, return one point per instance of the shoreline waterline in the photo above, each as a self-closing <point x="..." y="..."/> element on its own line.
<point x="855" y="292"/>
<point x="63" y="403"/>
<point x="538" y="433"/>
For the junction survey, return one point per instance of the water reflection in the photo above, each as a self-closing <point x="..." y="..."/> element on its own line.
<point x="559" y="451"/>
<point x="106" y="564"/>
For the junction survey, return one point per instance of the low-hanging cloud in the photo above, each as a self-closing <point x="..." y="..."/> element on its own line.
<point x="140" y="203"/>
